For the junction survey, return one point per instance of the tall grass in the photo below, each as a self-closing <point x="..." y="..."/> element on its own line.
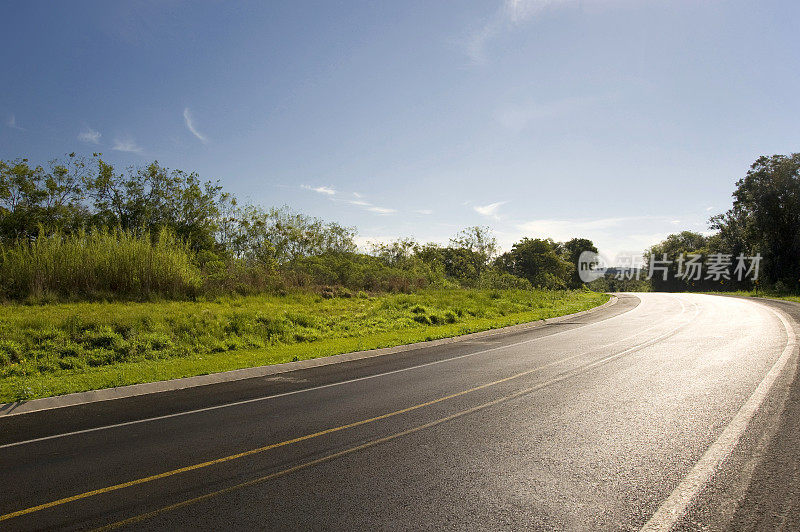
<point x="98" y="263"/>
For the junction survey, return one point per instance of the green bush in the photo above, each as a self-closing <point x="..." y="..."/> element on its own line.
<point x="496" y="280"/>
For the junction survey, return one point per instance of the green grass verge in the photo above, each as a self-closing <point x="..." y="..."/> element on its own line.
<point x="760" y="294"/>
<point x="62" y="348"/>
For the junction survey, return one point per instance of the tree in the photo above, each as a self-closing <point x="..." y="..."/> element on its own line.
<point x="765" y="217"/>
<point x="571" y="251"/>
<point x="152" y="198"/>
<point x="34" y="199"/>
<point x="538" y="261"/>
<point x="396" y="253"/>
<point x="683" y="244"/>
<point x="479" y="244"/>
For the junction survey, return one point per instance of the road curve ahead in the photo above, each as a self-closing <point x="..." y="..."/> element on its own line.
<point x="662" y="411"/>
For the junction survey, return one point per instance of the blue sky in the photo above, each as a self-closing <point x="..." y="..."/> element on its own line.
<point x="616" y="120"/>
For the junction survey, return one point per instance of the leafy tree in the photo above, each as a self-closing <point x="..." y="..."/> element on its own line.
<point x="33" y="198"/>
<point x="765" y="218"/>
<point x="571" y="251"/>
<point x="675" y="246"/>
<point x="477" y="245"/>
<point x="538" y="261"/>
<point x="396" y="253"/>
<point x="152" y="198"/>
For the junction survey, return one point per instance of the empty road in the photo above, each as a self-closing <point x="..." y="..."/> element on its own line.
<point x="661" y="411"/>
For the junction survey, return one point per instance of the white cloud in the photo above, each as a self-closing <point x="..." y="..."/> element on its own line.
<point x="90" y="136"/>
<point x="613" y="235"/>
<point x="424" y="211"/>
<point x="12" y="123"/>
<point x="328" y="191"/>
<point x="187" y="118"/>
<point x="513" y="14"/>
<point x="489" y="210"/>
<point x="381" y="210"/>
<point x="566" y="229"/>
<point x="127" y="145"/>
<point x="366" y="205"/>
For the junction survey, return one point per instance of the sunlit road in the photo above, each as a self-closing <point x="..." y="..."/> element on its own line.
<point x="665" y="410"/>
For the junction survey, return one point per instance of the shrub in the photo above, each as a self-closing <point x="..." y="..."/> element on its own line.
<point x="496" y="280"/>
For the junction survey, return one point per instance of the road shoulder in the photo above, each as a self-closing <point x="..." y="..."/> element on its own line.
<point x="758" y="487"/>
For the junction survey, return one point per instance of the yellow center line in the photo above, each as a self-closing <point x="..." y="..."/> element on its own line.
<point x="519" y="393"/>
<point x="304" y="465"/>
<point x="258" y="450"/>
<point x="265" y="448"/>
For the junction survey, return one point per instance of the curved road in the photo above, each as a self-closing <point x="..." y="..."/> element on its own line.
<point x="661" y="411"/>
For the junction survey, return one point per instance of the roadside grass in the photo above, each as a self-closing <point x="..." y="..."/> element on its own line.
<point x="761" y="294"/>
<point x="56" y="349"/>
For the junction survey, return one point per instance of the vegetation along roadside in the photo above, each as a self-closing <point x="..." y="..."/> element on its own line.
<point x="50" y="350"/>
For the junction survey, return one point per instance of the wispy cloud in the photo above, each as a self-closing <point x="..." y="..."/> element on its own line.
<point x="359" y="200"/>
<point x="126" y="144"/>
<point x="510" y="15"/>
<point x="424" y="211"/>
<point x="89" y="135"/>
<point x="565" y="229"/>
<point x="187" y="118"/>
<point x="12" y="123"/>
<point x="328" y="191"/>
<point x="489" y="210"/>
<point x="366" y="205"/>
<point x="381" y="210"/>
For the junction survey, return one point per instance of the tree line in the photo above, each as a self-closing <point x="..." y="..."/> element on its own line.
<point x="78" y="227"/>
<point x="763" y="221"/>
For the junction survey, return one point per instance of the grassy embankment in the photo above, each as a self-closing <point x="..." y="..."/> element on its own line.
<point x="761" y="293"/>
<point x="55" y="349"/>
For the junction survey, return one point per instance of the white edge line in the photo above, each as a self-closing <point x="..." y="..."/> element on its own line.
<point x="674" y="507"/>
<point x="323" y="386"/>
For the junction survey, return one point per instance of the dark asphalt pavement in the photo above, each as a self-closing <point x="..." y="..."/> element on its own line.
<point x="589" y="424"/>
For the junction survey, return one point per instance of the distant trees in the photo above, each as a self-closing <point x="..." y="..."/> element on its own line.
<point x="467" y="256"/>
<point x="73" y="194"/>
<point x="33" y="196"/>
<point x="471" y="259"/>
<point x="76" y="194"/>
<point x="538" y="261"/>
<point x="679" y="248"/>
<point x="764" y="220"/>
<point x="571" y="251"/>
<point x="51" y="211"/>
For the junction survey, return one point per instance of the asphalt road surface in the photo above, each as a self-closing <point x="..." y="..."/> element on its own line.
<point x="662" y="411"/>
